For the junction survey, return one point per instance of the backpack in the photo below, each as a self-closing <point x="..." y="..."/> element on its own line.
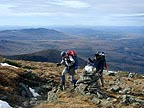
<point x="104" y="59"/>
<point x="74" y="55"/>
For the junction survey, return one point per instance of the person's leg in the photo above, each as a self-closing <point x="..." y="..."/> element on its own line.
<point x="102" y="79"/>
<point x="63" y="77"/>
<point x="74" y="80"/>
<point x="72" y="73"/>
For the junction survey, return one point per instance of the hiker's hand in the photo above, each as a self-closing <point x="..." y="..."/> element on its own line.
<point x="58" y="64"/>
<point x="89" y="59"/>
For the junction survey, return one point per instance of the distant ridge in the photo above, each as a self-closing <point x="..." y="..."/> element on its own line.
<point x="43" y="56"/>
<point x="32" y="34"/>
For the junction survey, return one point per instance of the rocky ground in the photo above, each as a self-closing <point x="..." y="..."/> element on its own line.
<point x="121" y="90"/>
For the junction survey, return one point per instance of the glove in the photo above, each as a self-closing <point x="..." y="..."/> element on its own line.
<point x="89" y="59"/>
<point x="58" y="64"/>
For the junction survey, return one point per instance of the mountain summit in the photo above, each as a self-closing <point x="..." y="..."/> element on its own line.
<point x="37" y="85"/>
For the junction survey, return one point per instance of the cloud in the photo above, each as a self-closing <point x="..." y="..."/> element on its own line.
<point x="5" y="9"/>
<point x="72" y="11"/>
<point x="70" y="4"/>
<point x="130" y="15"/>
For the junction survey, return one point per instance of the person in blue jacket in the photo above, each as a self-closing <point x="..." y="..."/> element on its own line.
<point x="98" y="63"/>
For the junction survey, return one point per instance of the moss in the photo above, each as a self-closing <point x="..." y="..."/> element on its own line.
<point x="122" y="74"/>
<point x="29" y="67"/>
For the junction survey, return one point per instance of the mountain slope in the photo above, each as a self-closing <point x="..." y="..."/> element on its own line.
<point x="120" y="91"/>
<point x="44" y="56"/>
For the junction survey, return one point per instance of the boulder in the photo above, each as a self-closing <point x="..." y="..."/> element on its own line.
<point x="126" y="90"/>
<point x="52" y="96"/>
<point x="96" y="100"/>
<point x="24" y="90"/>
<point x="115" y="88"/>
<point x="81" y="88"/>
<point x="131" y="75"/>
<point x="128" y="99"/>
<point x="143" y="92"/>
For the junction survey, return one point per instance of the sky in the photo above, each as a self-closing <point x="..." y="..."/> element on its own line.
<point x="71" y="12"/>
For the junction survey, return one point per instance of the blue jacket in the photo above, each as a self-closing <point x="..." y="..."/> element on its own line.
<point x="100" y="65"/>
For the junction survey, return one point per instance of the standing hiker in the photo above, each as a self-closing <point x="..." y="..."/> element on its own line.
<point x="98" y="63"/>
<point x="70" y="65"/>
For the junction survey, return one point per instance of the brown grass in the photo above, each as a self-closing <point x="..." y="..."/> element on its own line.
<point x="66" y="99"/>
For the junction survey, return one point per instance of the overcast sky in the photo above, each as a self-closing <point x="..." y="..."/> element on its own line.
<point x="72" y="12"/>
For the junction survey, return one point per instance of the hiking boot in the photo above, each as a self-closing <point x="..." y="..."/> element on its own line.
<point x="62" y="87"/>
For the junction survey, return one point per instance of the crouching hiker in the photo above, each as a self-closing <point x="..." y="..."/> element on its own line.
<point x="98" y="63"/>
<point x="70" y="66"/>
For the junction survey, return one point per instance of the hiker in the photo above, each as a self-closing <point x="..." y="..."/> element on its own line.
<point x="70" y="67"/>
<point x="98" y="63"/>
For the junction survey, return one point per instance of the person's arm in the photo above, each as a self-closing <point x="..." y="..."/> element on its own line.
<point x="92" y="61"/>
<point x="59" y="64"/>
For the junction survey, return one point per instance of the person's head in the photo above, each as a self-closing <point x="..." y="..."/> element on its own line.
<point x="97" y="55"/>
<point x="103" y="54"/>
<point x="63" y="54"/>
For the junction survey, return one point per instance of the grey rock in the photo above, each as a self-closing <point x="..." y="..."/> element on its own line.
<point x="33" y="101"/>
<point x="140" y="101"/>
<point x="127" y="99"/>
<point x="24" y="90"/>
<point x="4" y="98"/>
<point x="115" y="88"/>
<point x="25" y="104"/>
<point x="143" y="92"/>
<point x="111" y="83"/>
<point x="131" y="75"/>
<point x="52" y="97"/>
<point x="80" y="81"/>
<point x="99" y="95"/>
<point x="96" y="100"/>
<point x="126" y="90"/>
<point x="136" y="82"/>
<point x="81" y="88"/>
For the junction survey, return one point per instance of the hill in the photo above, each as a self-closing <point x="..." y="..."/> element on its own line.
<point x="32" y="34"/>
<point x="43" y="56"/>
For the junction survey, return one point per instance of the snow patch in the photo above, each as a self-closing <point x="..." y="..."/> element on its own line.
<point x="4" y="104"/>
<point x="35" y="94"/>
<point x="5" y="64"/>
<point x="112" y="72"/>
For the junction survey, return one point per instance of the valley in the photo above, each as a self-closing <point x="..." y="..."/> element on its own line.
<point x="124" y="47"/>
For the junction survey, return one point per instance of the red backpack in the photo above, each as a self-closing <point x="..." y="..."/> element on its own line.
<point x="74" y="55"/>
<point x="71" y="52"/>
